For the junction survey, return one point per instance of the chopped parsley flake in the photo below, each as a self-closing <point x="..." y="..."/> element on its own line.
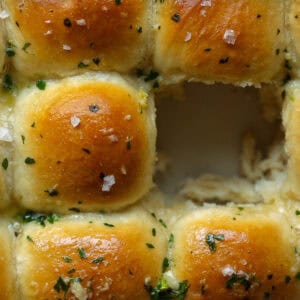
<point x="128" y="144"/>
<point x="162" y="291"/>
<point x="94" y="108"/>
<point x="297" y="212"/>
<point x="67" y="259"/>
<point x="176" y="17"/>
<point x="150" y="246"/>
<point x="165" y="264"/>
<point x="224" y="60"/>
<point x="82" y="65"/>
<point x="75" y="209"/>
<point x="41" y="84"/>
<point x="118" y="2"/>
<point x="287" y="279"/>
<point x="108" y="225"/>
<point x="10" y="50"/>
<point x="52" y="192"/>
<point x="61" y="285"/>
<point x="162" y="223"/>
<point x="31" y="216"/>
<point x="81" y="253"/>
<point x="86" y="150"/>
<point x="151" y="76"/>
<point x="23" y="139"/>
<point x="25" y="47"/>
<point x="241" y="279"/>
<point x="97" y="260"/>
<point x="7" y="82"/>
<point x="67" y="22"/>
<point x="5" y="163"/>
<point x="153" y="215"/>
<point x="210" y="240"/>
<point x="153" y="232"/>
<point x="29" y="238"/>
<point x="171" y="240"/>
<point x="297" y="276"/>
<point x="29" y="161"/>
<point x="96" y="61"/>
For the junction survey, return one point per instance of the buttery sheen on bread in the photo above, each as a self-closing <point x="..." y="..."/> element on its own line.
<point x="236" y="253"/>
<point x="63" y="37"/>
<point x="91" y="257"/>
<point x="84" y="143"/>
<point x="77" y="141"/>
<point x="230" y="41"/>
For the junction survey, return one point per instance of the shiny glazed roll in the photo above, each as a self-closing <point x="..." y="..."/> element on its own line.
<point x="236" y="253"/>
<point x="231" y="41"/>
<point x="59" y="37"/>
<point x="90" y="257"/>
<point x="83" y="143"/>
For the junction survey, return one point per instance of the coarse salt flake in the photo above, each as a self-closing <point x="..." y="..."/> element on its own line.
<point x="48" y="21"/>
<point x="229" y="36"/>
<point x="228" y="271"/>
<point x="108" y="182"/>
<point x="48" y="32"/>
<point x="75" y="121"/>
<point x="203" y="12"/>
<point x="147" y="280"/>
<point x="5" y="135"/>
<point x="123" y="170"/>
<point x="188" y="37"/>
<point x="4" y="14"/>
<point x="67" y="47"/>
<point x="113" y="138"/>
<point x="127" y="117"/>
<point x="81" y="22"/>
<point x="205" y="3"/>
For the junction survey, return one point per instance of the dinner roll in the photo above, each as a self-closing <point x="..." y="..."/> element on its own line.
<point x="83" y="143"/>
<point x="59" y="37"/>
<point x="8" y="288"/>
<point x="291" y="120"/>
<point x="236" y="253"/>
<point x="91" y="257"/>
<point x="230" y="41"/>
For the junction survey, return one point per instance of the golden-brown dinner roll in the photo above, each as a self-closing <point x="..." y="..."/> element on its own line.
<point x="83" y="143"/>
<point x="236" y="253"/>
<point x="291" y="120"/>
<point x="231" y="41"/>
<point x="8" y="289"/>
<point x="59" y="37"/>
<point x="91" y="257"/>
